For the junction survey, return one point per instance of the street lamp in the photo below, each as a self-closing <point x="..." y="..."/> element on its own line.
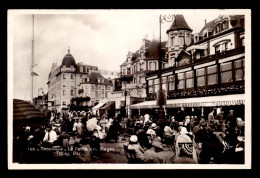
<point x="125" y="100"/>
<point x="161" y="100"/>
<point x="54" y="101"/>
<point x="38" y="94"/>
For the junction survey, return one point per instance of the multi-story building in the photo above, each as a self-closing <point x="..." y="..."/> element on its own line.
<point x="66" y="81"/>
<point x="96" y="87"/>
<point x="135" y="68"/>
<point x="206" y="70"/>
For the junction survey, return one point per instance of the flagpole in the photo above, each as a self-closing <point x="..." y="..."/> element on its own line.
<point x="32" y="65"/>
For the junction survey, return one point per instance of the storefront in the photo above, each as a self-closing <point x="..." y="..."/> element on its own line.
<point x="235" y="102"/>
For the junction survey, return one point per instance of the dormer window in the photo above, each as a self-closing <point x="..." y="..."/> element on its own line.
<point x="217" y="28"/>
<point x="225" y="25"/>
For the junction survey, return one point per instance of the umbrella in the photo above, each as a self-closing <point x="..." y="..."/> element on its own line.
<point x="23" y="110"/>
<point x="91" y="124"/>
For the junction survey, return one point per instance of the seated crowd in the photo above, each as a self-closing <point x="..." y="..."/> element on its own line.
<point x="193" y="141"/>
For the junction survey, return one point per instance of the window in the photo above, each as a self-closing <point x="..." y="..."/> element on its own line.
<point x="124" y="72"/>
<point x="217" y="28"/>
<point x="64" y="92"/>
<point x="151" y="86"/>
<point x="81" y="68"/>
<point x="212" y="77"/>
<point x="180" y="80"/>
<point x="225" y="46"/>
<point x="87" y="69"/>
<point x="64" y="76"/>
<point x="217" y="49"/>
<point x="103" y="93"/>
<point x="93" y="87"/>
<point x="152" y="66"/>
<point x="156" y="85"/>
<point x="226" y="72"/>
<point x="64" y="103"/>
<point x="189" y="79"/>
<point x="171" y="82"/>
<point x="225" y="25"/>
<point x="239" y="70"/>
<point x="64" y="84"/>
<point x="164" y="83"/>
<point x="128" y="70"/>
<point x="71" y="77"/>
<point x="71" y="92"/>
<point x="200" y="77"/>
<point x="134" y="68"/>
<point x="80" y="76"/>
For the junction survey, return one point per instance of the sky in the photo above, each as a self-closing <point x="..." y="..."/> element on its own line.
<point x="101" y="38"/>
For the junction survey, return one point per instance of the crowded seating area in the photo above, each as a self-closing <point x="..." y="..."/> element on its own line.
<point x="76" y="137"/>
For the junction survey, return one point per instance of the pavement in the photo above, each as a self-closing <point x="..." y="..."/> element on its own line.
<point x="114" y="153"/>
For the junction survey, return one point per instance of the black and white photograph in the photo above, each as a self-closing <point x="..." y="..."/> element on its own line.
<point x="129" y="89"/>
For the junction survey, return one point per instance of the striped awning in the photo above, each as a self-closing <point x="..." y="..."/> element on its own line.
<point x="24" y="110"/>
<point x="207" y="101"/>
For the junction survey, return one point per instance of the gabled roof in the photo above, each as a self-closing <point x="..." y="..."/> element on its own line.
<point x="210" y="24"/>
<point x="179" y="23"/>
<point x="96" y="75"/>
<point x="181" y="54"/>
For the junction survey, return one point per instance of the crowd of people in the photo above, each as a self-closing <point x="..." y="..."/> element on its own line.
<point x="75" y="137"/>
<point x="214" y="139"/>
<point x="66" y="133"/>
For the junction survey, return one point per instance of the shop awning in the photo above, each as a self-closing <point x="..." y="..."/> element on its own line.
<point x="146" y="104"/>
<point x="107" y="105"/>
<point x="95" y="108"/>
<point x="98" y="106"/>
<point x="207" y="101"/>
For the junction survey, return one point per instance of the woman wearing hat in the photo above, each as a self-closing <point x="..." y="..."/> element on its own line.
<point x="184" y="138"/>
<point x="134" y="145"/>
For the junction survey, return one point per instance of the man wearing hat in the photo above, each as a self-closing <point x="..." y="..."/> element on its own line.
<point x="151" y="155"/>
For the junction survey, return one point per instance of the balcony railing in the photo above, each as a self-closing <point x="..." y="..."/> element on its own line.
<point x="234" y="89"/>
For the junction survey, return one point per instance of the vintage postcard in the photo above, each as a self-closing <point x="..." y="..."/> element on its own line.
<point x="129" y="89"/>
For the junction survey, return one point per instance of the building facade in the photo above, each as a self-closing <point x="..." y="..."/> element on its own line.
<point x="205" y="70"/>
<point x="135" y="68"/>
<point x="67" y="80"/>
